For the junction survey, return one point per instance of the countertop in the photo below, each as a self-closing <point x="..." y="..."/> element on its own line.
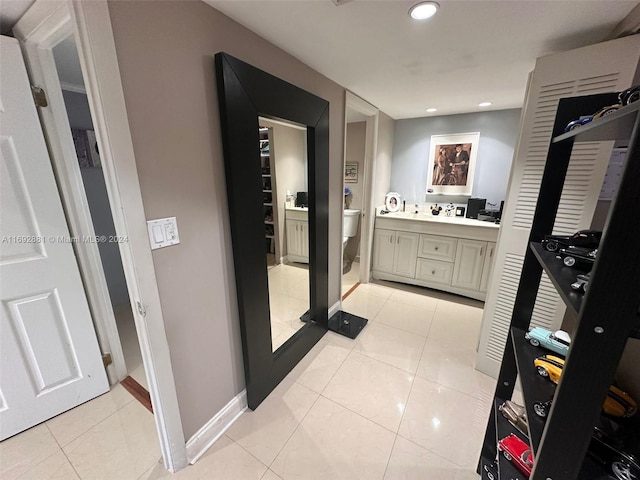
<point x="440" y="219"/>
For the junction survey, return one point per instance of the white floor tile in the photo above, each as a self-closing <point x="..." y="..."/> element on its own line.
<point x="449" y="364"/>
<point x="317" y="368"/>
<point x="333" y="443"/>
<point x="55" y="467"/>
<point x="411" y="462"/>
<point x="264" y="432"/>
<point x="24" y="451"/>
<point x="411" y="318"/>
<point x="362" y="304"/>
<point x="390" y="345"/>
<point x="420" y="297"/>
<point x="445" y="421"/>
<point x="375" y="289"/>
<point x="70" y="425"/>
<point x="269" y="475"/>
<point x="122" y="446"/>
<point x="456" y="323"/>
<point x="226" y="460"/>
<point x="375" y="390"/>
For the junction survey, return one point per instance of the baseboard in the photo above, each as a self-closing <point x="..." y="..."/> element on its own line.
<point x="214" y="428"/>
<point x="335" y="308"/>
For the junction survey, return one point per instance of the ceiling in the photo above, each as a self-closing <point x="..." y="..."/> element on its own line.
<point x="470" y="52"/>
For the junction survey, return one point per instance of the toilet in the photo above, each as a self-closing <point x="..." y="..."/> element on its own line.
<point x="350" y="229"/>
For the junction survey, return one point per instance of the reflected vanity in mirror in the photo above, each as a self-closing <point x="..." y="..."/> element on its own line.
<point x="283" y="162"/>
<point x="280" y="278"/>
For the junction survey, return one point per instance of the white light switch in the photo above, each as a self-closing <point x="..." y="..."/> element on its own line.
<point x="163" y="232"/>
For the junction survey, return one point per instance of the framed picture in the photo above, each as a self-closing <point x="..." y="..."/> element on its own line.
<point x="392" y="202"/>
<point x="452" y="163"/>
<point x="86" y="148"/>
<point x="351" y="173"/>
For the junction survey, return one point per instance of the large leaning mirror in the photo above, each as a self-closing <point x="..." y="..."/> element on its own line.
<point x="281" y="272"/>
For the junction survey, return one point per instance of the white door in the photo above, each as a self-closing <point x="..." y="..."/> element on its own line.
<point x="406" y="254"/>
<point x="49" y="354"/>
<point x="383" y="248"/>
<point x="467" y="271"/>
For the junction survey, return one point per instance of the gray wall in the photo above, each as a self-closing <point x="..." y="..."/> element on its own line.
<point x="384" y="162"/>
<point x="356" y="136"/>
<point x="356" y="140"/>
<point x="412" y="140"/>
<point x="79" y="116"/>
<point x="166" y="57"/>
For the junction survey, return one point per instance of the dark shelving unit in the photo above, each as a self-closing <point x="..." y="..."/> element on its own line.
<point x="606" y="315"/>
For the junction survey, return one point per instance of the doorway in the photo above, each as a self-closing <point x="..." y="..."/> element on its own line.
<point x="81" y="127"/>
<point x="361" y="126"/>
<point x="40" y="29"/>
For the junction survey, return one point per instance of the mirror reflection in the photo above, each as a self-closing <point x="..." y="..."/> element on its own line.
<point x="283" y="159"/>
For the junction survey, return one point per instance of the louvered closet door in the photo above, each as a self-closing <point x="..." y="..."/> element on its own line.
<point x="602" y="68"/>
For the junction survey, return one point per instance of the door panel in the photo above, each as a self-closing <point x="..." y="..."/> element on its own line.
<point x="48" y="349"/>
<point x="467" y="271"/>
<point x="383" y="249"/>
<point x="406" y="253"/>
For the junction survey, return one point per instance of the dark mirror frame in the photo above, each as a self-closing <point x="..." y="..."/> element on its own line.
<point x="244" y="94"/>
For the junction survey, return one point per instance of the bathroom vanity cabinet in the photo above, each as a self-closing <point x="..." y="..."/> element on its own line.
<point x="449" y="254"/>
<point x="297" y="233"/>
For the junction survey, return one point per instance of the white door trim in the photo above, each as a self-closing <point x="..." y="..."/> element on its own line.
<point x="43" y="26"/>
<point x="370" y="152"/>
<point x="38" y="35"/>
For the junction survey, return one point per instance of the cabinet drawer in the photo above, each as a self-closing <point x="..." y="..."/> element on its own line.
<point x="434" y="271"/>
<point x="437" y="247"/>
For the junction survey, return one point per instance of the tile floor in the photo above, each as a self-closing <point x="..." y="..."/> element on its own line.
<point x="402" y="401"/>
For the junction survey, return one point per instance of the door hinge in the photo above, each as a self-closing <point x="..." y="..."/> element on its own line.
<point x="39" y="96"/>
<point x="141" y="310"/>
<point x="106" y="359"/>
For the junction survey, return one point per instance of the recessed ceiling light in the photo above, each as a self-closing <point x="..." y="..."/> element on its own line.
<point x="423" y="10"/>
<point x="431" y="110"/>
<point x="485" y="104"/>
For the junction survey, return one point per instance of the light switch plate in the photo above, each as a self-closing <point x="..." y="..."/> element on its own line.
<point x="163" y="232"/>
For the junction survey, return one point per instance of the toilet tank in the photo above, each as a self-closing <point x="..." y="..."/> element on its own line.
<point x="351" y="218"/>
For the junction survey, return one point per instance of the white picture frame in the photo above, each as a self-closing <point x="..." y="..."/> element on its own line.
<point x="451" y="169"/>
<point x="392" y="202"/>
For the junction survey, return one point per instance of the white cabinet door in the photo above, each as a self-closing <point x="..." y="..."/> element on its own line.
<point x="297" y="241"/>
<point x="303" y="239"/>
<point x="405" y="254"/>
<point x="293" y="240"/>
<point x="467" y="271"/>
<point x="384" y="243"/>
<point x="487" y="268"/>
<point x="49" y="353"/>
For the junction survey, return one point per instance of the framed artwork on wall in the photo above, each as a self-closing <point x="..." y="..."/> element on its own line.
<point x="351" y="173"/>
<point x="452" y="163"/>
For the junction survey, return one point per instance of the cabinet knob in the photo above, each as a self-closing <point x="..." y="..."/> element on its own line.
<point x="436" y="249"/>
<point x="433" y="272"/>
